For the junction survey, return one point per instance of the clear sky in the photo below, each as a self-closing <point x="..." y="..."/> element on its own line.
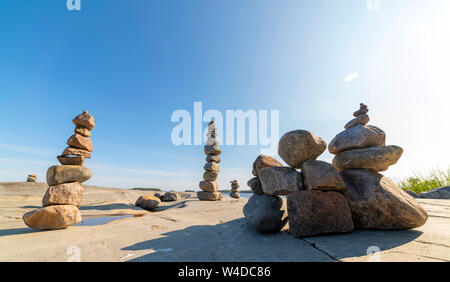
<point x="131" y="64"/>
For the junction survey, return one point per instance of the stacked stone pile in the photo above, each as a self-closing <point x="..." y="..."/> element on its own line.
<point x="63" y="197"/>
<point x="32" y="178"/>
<point x="209" y="184"/>
<point x="331" y="198"/>
<point x="235" y="190"/>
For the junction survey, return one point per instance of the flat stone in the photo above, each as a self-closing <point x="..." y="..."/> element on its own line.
<point x="64" y="194"/>
<point x="170" y="197"/>
<point x="360" y="112"/>
<point x="209" y="186"/>
<point x="315" y="212"/>
<point x="59" y="174"/>
<point x="280" y="181"/>
<point x="209" y="196"/>
<point x="212" y="150"/>
<point x="212" y="158"/>
<point x="75" y="151"/>
<point x="362" y="119"/>
<point x="71" y="160"/>
<point x="148" y="202"/>
<point x="299" y="146"/>
<point x="82" y="131"/>
<point x="235" y="195"/>
<point x="80" y="142"/>
<point x="320" y="175"/>
<point x="52" y="217"/>
<point x="438" y="193"/>
<point x="255" y="185"/>
<point x="212" y="166"/>
<point x="265" y="213"/>
<point x="377" y="158"/>
<point x="357" y="137"/>
<point x="84" y="120"/>
<point x="210" y="176"/>
<point x="377" y="202"/>
<point x="263" y="161"/>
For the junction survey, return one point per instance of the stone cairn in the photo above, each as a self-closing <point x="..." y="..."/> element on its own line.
<point x="209" y="184"/>
<point x="235" y="190"/>
<point x="64" y="194"/>
<point x="327" y="198"/>
<point x="32" y="178"/>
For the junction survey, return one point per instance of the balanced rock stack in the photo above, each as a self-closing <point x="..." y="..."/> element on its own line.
<point x="235" y="190"/>
<point x="63" y="197"/>
<point x="376" y="202"/>
<point x="209" y="184"/>
<point x="32" y="178"/>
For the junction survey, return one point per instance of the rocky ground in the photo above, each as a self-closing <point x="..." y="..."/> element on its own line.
<point x="192" y="230"/>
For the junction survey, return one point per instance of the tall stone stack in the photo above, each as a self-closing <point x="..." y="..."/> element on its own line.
<point x="235" y="190"/>
<point x="32" y="178"/>
<point x="209" y="184"/>
<point x="63" y="197"/>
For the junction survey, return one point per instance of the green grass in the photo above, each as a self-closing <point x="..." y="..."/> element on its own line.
<point x="423" y="183"/>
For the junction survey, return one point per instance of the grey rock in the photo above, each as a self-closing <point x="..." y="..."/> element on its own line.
<point x="412" y="194"/>
<point x="212" y="167"/>
<point x="265" y="213"/>
<point x="320" y="175"/>
<point x="255" y="185"/>
<point x="362" y="119"/>
<point x="210" y="176"/>
<point x="60" y="174"/>
<point x="209" y="196"/>
<point x="170" y="197"/>
<point x="357" y="137"/>
<point x="438" y="193"/>
<point x="299" y="146"/>
<point x="263" y="161"/>
<point x="280" y="181"/>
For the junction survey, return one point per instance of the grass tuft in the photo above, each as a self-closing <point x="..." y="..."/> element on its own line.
<point x="419" y="183"/>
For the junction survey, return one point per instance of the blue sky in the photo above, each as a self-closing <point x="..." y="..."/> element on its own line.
<point x="133" y="63"/>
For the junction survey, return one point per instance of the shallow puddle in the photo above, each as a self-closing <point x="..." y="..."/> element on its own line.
<point x="103" y="219"/>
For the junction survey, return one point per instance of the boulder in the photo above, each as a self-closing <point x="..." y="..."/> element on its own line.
<point x="159" y="195"/>
<point x="315" y="212"/>
<point x="170" y="197"/>
<point x="357" y="137"/>
<point x="64" y="194"/>
<point x="84" y="120"/>
<point x="209" y="196"/>
<point x="59" y="174"/>
<point x="82" y="131"/>
<point x="263" y="161"/>
<point x="148" y="202"/>
<point x="278" y="181"/>
<point x="71" y="160"/>
<point x="210" y="176"/>
<point x="212" y="158"/>
<point x="255" y="185"/>
<point x="362" y="119"/>
<point x="77" y="152"/>
<point x="299" y="146"/>
<point x="412" y="194"/>
<point x="209" y="186"/>
<point x="80" y="142"/>
<point x="377" y="202"/>
<point x="212" y="150"/>
<point x="377" y="158"/>
<point x="265" y="213"/>
<point x="53" y="217"/>
<point x="320" y="175"/>
<point x="438" y="193"/>
<point x="212" y="167"/>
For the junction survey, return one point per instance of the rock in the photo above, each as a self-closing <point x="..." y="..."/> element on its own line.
<point x="360" y="112"/>
<point x="212" y="158"/>
<point x="170" y="197"/>
<point x="377" y="202"/>
<point x="210" y="176"/>
<point x="362" y="119"/>
<point x="32" y="178"/>
<point x="255" y="185"/>
<point x="265" y="213"/>
<point x="278" y="181"/>
<point x="59" y="174"/>
<point x="209" y="196"/>
<point x="212" y="150"/>
<point x="412" y="194"/>
<point x="64" y="194"/>
<point x="159" y="195"/>
<point x="263" y="161"/>
<point x="53" y="217"/>
<point x="80" y="142"/>
<point x="438" y="193"/>
<point x="148" y="202"/>
<point x="357" y="137"/>
<point x="212" y="166"/>
<point x="209" y="186"/>
<point x="320" y="175"/>
<point x="299" y="146"/>
<point x="235" y="195"/>
<point x="377" y="158"/>
<point x="77" y="152"/>
<point x="82" y="131"/>
<point x="84" y="120"/>
<point x="316" y="212"/>
<point x="74" y="160"/>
